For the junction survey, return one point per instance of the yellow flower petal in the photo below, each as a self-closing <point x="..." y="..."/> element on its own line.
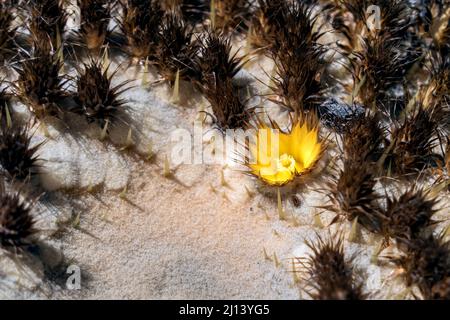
<point x="282" y="156"/>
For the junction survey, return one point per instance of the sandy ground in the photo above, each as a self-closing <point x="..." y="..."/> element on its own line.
<point x="168" y="241"/>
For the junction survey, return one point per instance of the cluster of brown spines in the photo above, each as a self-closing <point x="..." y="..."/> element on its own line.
<point x="227" y="16"/>
<point x="377" y="69"/>
<point x="95" y="16"/>
<point x="18" y="157"/>
<point x="176" y="51"/>
<point x="7" y="32"/>
<point x="437" y="93"/>
<point x="291" y="34"/>
<point x="353" y="193"/>
<point x="431" y="25"/>
<point x="409" y="215"/>
<point x="217" y="67"/>
<point x="267" y="20"/>
<point x="426" y="265"/>
<point x="97" y="99"/>
<point x="141" y="21"/>
<point x="330" y="275"/>
<point x="194" y="11"/>
<point x="38" y="62"/>
<point x="364" y="139"/>
<point x="5" y="111"/>
<point x="40" y="84"/>
<point x="413" y="143"/>
<point x="17" y="224"/>
<point x="443" y="40"/>
<point x="416" y="138"/>
<point x="380" y="58"/>
<point x="48" y="21"/>
<point x="232" y="14"/>
<point x="435" y="36"/>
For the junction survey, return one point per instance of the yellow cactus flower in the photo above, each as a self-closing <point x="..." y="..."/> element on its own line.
<point x="277" y="157"/>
